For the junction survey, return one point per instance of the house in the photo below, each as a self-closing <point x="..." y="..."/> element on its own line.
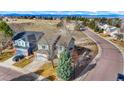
<point x="103" y="26"/>
<point x="79" y="26"/>
<point x="122" y="29"/>
<point x="112" y="31"/>
<point x="52" y="44"/>
<point x="109" y="30"/>
<point x="5" y="19"/>
<point x="70" y="26"/>
<point x="8" y="19"/>
<point x="26" y="43"/>
<point x="48" y="44"/>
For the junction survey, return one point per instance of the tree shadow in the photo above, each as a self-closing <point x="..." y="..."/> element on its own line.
<point x="82" y="70"/>
<point x="49" y="78"/>
<point x="82" y="62"/>
<point x="26" y="77"/>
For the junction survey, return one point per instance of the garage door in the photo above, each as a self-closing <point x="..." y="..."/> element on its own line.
<point x="41" y="57"/>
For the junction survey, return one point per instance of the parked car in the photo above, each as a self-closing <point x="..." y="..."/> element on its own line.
<point x="18" y="58"/>
<point x="120" y="77"/>
<point x="82" y="29"/>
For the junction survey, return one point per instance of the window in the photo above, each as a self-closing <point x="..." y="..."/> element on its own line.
<point x="43" y="47"/>
<point x="61" y="48"/>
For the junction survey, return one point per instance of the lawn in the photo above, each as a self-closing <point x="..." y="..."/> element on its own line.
<point x="24" y="62"/>
<point x="48" y="71"/>
<point x="5" y="56"/>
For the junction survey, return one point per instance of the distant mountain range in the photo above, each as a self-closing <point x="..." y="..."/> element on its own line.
<point x="64" y="13"/>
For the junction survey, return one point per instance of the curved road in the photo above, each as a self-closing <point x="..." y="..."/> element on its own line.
<point x="110" y="62"/>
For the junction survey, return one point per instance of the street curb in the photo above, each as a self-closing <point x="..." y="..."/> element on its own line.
<point x="94" y="61"/>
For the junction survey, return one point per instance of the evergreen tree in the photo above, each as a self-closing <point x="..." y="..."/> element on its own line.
<point x="7" y="34"/>
<point x="4" y="27"/>
<point x="64" y="69"/>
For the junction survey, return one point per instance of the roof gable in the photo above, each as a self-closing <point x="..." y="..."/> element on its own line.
<point x="29" y="36"/>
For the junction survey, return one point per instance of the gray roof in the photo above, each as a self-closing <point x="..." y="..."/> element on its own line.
<point x="112" y="29"/>
<point x="63" y="37"/>
<point x="66" y="37"/>
<point x="30" y="36"/>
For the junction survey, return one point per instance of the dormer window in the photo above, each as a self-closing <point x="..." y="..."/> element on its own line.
<point x="45" y="47"/>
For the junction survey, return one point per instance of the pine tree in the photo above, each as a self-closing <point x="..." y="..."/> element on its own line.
<point x="7" y="33"/>
<point x="4" y="27"/>
<point x="64" y="69"/>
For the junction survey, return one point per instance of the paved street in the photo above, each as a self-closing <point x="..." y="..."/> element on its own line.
<point x="8" y="74"/>
<point x="109" y="64"/>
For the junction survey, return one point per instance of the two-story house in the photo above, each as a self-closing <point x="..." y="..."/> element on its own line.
<point x="55" y="43"/>
<point x="26" y="42"/>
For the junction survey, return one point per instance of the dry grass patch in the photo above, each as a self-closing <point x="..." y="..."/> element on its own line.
<point x="86" y="42"/>
<point x="5" y="56"/>
<point x="121" y="43"/>
<point x="24" y="62"/>
<point x="48" y="71"/>
<point x="103" y="35"/>
<point x="35" y="25"/>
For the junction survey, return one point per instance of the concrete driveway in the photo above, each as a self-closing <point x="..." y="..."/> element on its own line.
<point x="110" y="62"/>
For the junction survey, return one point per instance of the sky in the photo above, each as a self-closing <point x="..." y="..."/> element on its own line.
<point x="65" y="12"/>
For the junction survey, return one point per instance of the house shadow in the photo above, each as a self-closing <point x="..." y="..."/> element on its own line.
<point x="26" y="77"/>
<point x="82" y="63"/>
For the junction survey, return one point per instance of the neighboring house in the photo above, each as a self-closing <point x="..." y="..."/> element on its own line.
<point x="112" y="31"/>
<point x="109" y="30"/>
<point x="26" y="43"/>
<point x="122" y="29"/>
<point x="103" y="26"/>
<point x="79" y="26"/>
<point x="8" y="19"/>
<point x="5" y="19"/>
<point x="70" y="26"/>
